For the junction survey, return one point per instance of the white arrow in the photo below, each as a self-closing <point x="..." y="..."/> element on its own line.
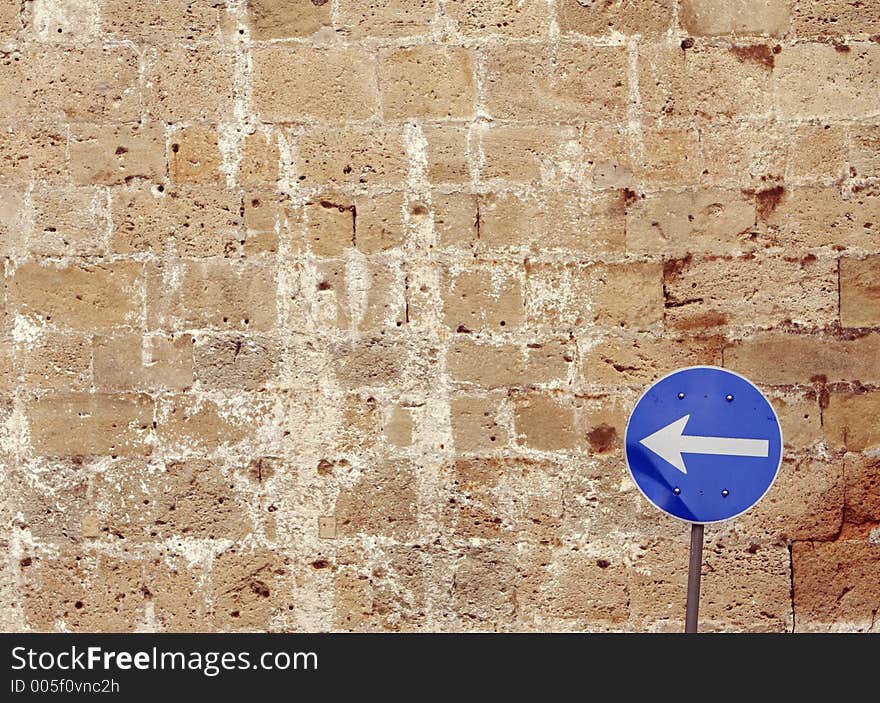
<point x="670" y="442"/>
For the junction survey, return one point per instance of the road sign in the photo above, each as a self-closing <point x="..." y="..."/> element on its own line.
<point x="703" y="444"/>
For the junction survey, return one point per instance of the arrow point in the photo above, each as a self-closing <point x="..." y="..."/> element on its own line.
<point x="666" y="443"/>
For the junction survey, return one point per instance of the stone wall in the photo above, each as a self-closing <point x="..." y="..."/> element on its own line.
<point x="328" y="314"/>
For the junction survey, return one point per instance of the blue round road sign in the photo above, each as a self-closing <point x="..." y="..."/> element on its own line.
<point x="703" y="444"/>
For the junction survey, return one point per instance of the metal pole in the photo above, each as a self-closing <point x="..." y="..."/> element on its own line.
<point x="694" y="567"/>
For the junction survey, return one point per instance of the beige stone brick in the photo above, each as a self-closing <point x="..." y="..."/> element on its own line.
<point x="862" y="489"/>
<point x="546" y="422"/>
<point x="57" y="362"/>
<point x="194" y="156"/>
<point x="151" y="23"/>
<point x="818" y="152"/>
<point x="265" y="215"/>
<point x="710" y="220"/>
<point x="448" y="154"/>
<point x="69" y="222"/>
<point x="183" y="221"/>
<point x="143" y="362"/>
<point x="382" y="502"/>
<point x="570" y="587"/>
<point x="212" y="294"/>
<point x="484" y="587"/>
<point x="428" y="83"/>
<point x="482" y="298"/>
<point x="835" y="585"/>
<point x="846" y="420"/>
<point x="455" y="218"/>
<point x="800" y="418"/>
<point x="583" y="82"/>
<point x="550" y="219"/>
<point x="258" y="244"/>
<point x="350" y="156"/>
<point x="259" y="160"/>
<point x="236" y="361"/>
<point x="248" y="588"/>
<point x="299" y="83"/>
<point x="79" y="296"/>
<point x="750" y="17"/>
<point x="816" y="80"/>
<point x="787" y="358"/>
<point x="635" y="360"/>
<point x="93" y="592"/>
<point x="764" y="292"/>
<point x="187" y="425"/>
<point x="33" y="151"/>
<point x="360" y="425"/>
<point x="6" y="411"/>
<point x="378" y="223"/>
<point x="7" y="366"/>
<point x="50" y="497"/>
<point x="822" y="217"/>
<point x="481" y="503"/>
<point x="280" y="19"/>
<point x="327" y="527"/>
<point x="64" y="21"/>
<point x="710" y="82"/>
<point x="365" y="298"/>
<point x="607" y="153"/>
<point x="13" y="222"/>
<point x="371" y="361"/>
<point x="834" y="18"/>
<point x="385" y="18"/>
<point x="117" y="154"/>
<point x="189" y="83"/>
<point x="89" y="83"/>
<point x="805" y="502"/>
<point x="628" y="294"/>
<point x="476" y="425"/>
<point x="400" y="426"/>
<point x="860" y="292"/>
<point x="743" y="155"/>
<point x="495" y="365"/>
<point x="513" y="153"/>
<point x="669" y="155"/>
<point x="90" y="424"/>
<point x="327" y="226"/>
<point x="602" y="420"/>
<point x="381" y="588"/>
<point x="352" y="600"/>
<point x="142" y="502"/>
<point x="864" y="156"/>
<point x="10" y="24"/>
<point x="650" y="19"/>
<point x="509" y="18"/>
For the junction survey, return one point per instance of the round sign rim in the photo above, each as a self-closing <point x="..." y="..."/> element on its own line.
<point x="715" y="368"/>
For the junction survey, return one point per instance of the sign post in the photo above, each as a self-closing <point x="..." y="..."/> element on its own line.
<point x="703" y="445"/>
<point x="695" y="563"/>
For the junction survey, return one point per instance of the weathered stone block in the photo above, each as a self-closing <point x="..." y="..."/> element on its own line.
<point x="860" y="292"/>
<point x="299" y="83"/>
<point x="74" y="424"/>
<point x="583" y="82"/>
<point x="427" y="83"/>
